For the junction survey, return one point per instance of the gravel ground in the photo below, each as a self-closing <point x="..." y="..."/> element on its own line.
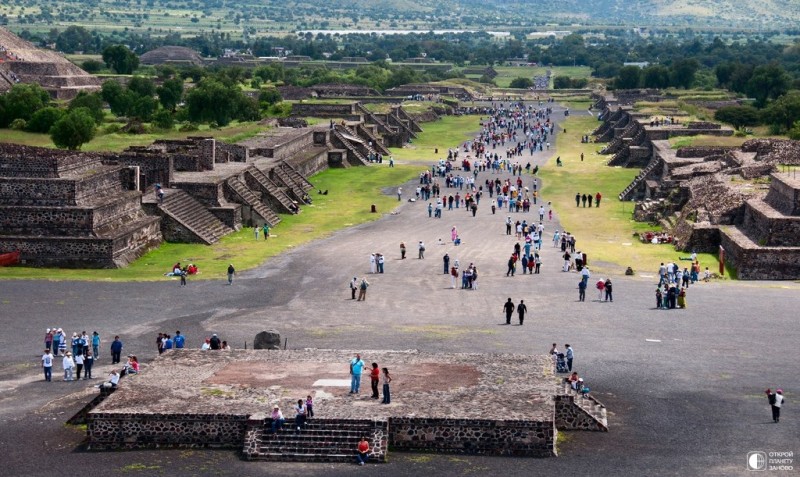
<point x="684" y="388"/>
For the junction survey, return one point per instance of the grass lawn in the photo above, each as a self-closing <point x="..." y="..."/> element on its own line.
<point x="352" y="191"/>
<point x="119" y="141"/>
<point x="605" y="234"/>
<point x="505" y="74"/>
<point x="449" y="131"/>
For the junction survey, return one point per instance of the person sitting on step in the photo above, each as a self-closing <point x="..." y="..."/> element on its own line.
<point x="363" y="451"/>
<point x="277" y="419"/>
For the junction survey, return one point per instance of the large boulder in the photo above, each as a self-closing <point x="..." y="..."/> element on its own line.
<point x="270" y="339"/>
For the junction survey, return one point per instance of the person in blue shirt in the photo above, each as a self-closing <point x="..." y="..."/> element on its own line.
<point x="356" y="367"/>
<point x="96" y="345"/>
<point x="116" y="350"/>
<point x="179" y="340"/>
<point x="167" y="343"/>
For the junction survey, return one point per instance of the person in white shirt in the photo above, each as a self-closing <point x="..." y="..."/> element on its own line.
<point x="300" y="414"/>
<point x="47" y="365"/>
<point x="68" y="364"/>
<point x="78" y="365"/>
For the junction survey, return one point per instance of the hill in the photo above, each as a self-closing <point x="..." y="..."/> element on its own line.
<point x="258" y="17"/>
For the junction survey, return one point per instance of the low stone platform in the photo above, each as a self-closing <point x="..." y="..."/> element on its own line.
<point x="455" y="403"/>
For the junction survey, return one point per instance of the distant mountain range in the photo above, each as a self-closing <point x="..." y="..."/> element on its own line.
<point x="256" y="17"/>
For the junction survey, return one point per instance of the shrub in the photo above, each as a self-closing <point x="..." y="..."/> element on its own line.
<point x="43" y="119"/>
<point x="19" y="124"/>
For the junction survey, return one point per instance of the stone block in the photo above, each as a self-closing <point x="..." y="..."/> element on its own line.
<point x="270" y="339"/>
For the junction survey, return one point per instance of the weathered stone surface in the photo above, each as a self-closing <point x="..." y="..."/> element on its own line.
<point x="270" y="339"/>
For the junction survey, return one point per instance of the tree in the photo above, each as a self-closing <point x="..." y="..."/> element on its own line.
<point x="93" y="102"/>
<point x="119" y="100"/>
<point x="212" y="101"/>
<point x="92" y="66"/>
<point x="655" y="76"/>
<point x="782" y="113"/>
<point x="76" y="128"/>
<point x="75" y="38"/>
<point x="170" y="93"/>
<point x="163" y="119"/>
<point x="682" y="72"/>
<point x="142" y="86"/>
<point x="268" y="97"/>
<point x="43" y="119"/>
<point x="120" y="59"/>
<point x="768" y="82"/>
<point x="628" y="77"/>
<point x="21" y="101"/>
<point x="738" y="116"/>
<point x="521" y="83"/>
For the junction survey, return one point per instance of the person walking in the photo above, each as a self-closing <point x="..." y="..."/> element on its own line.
<point x="581" y="291"/>
<point x="508" y="307"/>
<point x="116" y="350"/>
<point x="47" y="365"/>
<point x="353" y="288"/>
<point x="597" y="198"/>
<point x="578" y="199"/>
<point x="265" y="230"/>
<point x="362" y="289"/>
<point x="609" y="296"/>
<point x="446" y="262"/>
<point x="96" y="344"/>
<point x="402" y="250"/>
<point x="88" y="362"/>
<point x="521" y="310"/>
<point x="421" y="250"/>
<point x="356" y="368"/>
<point x="78" y="366"/>
<point x="374" y="378"/>
<point x="570" y="355"/>
<point x="68" y="364"/>
<point x="386" y="378"/>
<point x="231" y="273"/>
<point x="256" y="230"/>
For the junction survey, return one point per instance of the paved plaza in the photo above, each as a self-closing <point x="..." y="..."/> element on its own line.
<point x="684" y="388"/>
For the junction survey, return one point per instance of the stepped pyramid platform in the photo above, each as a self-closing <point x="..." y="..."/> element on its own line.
<point x="447" y="403"/>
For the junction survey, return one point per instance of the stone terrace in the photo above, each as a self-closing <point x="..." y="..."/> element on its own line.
<point x="440" y="402"/>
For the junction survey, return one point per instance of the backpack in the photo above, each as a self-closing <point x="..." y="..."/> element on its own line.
<point x="363" y="285"/>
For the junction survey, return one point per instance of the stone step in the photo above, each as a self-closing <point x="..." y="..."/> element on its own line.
<point x="249" y="198"/>
<point x="275" y="192"/>
<point x="298" y="178"/>
<point x="193" y="215"/>
<point x="308" y="457"/>
<point x="281" y="176"/>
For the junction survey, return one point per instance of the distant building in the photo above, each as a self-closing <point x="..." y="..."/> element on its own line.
<point x="640" y="64"/>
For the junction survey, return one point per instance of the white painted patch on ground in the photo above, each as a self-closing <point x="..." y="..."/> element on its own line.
<point x="653" y="341"/>
<point x="339" y="383"/>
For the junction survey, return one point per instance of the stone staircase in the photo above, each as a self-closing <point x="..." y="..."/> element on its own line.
<point x="282" y="177"/>
<point x="352" y="150"/>
<point x="298" y="178"/>
<point x="193" y="215"/>
<point x="377" y="143"/>
<point x="382" y="126"/>
<point x="275" y="193"/>
<point x="641" y="177"/>
<point x="593" y="409"/>
<point x="321" y="440"/>
<point x="247" y="197"/>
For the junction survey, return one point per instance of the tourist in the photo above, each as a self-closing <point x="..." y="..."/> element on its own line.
<point x="682" y="298"/>
<point x="589" y="199"/>
<point x="299" y="415"/>
<point x="59" y="342"/>
<point x="160" y="343"/>
<point x="309" y="407"/>
<point x="265" y="229"/>
<point x="362" y="289"/>
<point x="421" y="250"/>
<point x="609" y="296"/>
<point x="573" y="380"/>
<point x="68" y="364"/>
<point x="206" y="345"/>
<point x="225" y="346"/>
<point x="706" y="275"/>
<point x="116" y="350"/>
<point x="570" y="354"/>
<point x="373" y="267"/>
<point x="399" y="194"/>
<point x="96" y="344"/>
<point x="215" y="342"/>
<point x="113" y="380"/>
<point x="453" y="275"/>
<point x="446" y="263"/>
<point x="402" y="250"/>
<point x="776" y="402"/>
<point x="356" y="368"/>
<point x="256" y="230"/>
<point x="78" y="365"/>
<point x="600" y="285"/>
<point x="578" y="199"/>
<point x="586" y="274"/>
<point x="508" y="307"/>
<point x="353" y="288"/>
<point x="583" y="199"/>
<point x="381" y="261"/>
<point x="375" y="376"/>
<point x="47" y="365"/>
<point x="554" y="353"/>
<point x="386" y="378"/>
<point x="659" y="298"/>
<point x="597" y="198"/>
<point x="179" y="340"/>
<point x="581" y="291"/>
<point x="362" y="451"/>
<point x="231" y="273"/>
<point x="521" y="310"/>
<point x="276" y="419"/>
<point x="48" y="339"/>
<point x="88" y="362"/>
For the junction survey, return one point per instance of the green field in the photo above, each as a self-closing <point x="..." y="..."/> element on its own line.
<point x="120" y="141"/>
<point x="605" y="234"/>
<point x="506" y="74"/>
<point x="446" y="132"/>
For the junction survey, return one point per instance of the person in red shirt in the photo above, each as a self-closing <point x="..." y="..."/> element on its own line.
<point x="375" y="376"/>
<point x="363" y="451"/>
<point x="597" y="200"/>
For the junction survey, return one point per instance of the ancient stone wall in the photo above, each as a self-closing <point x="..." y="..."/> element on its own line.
<point x="26" y="161"/>
<point x="230" y="215"/>
<point x="702" y="151"/>
<point x="753" y="262"/>
<point x="231" y="153"/>
<point x="134" y="431"/>
<point x="570" y="416"/>
<point x="308" y="166"/>
<point x="767" y="226"/>
<point x="784" y="194"/>
<point x="484" y="437"/>
<point x="209" y="193"/>
<point x="323" y="110"/>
